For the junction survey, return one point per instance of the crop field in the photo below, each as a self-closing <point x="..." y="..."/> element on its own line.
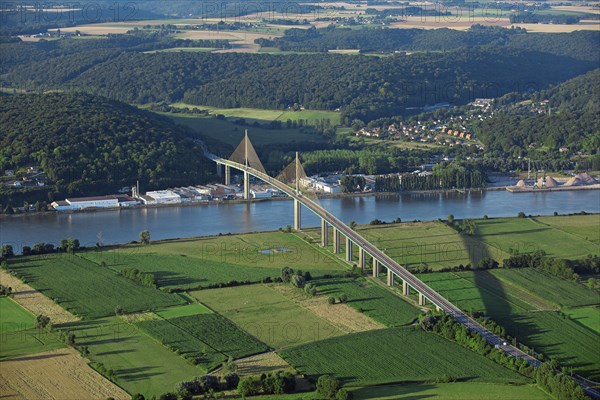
<point x="196" y="263"/>
<point x="431" y="243"/>
<point x="25" y="342"/>
<point x="583" y="226"/>
<point x="183" y="343"/>
<point x="451" y="391"/>
<point x="14" y="317"/>
<point x="528" y="235"/>
<point x="587" y="316"/>
<point x="34" y="301"/>
<point x="559" y="337"/>
<point x="394" y="355"/>
<point x="232" y="134"/>
<point x="141" y="364"/>
<point x="267" y="315"/>
<point x="371" y="299"/>
<point x="55" y="375"/>
<point x="87" y="289"/>
<point x="553" y="289"/>
<point x="468" y="292"/>
<point x="220" y="334"/>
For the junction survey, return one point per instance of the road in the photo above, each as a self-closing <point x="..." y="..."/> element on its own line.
<point x="397" y="269"/>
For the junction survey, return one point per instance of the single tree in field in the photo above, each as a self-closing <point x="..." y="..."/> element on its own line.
<point x="352" y="224"/>
<point x="7" y="251"/>
<point x="327" y="386"/>
<point x="450" y="218"/>
<point x="42" y="321"/>
<point x="145" y="237"/>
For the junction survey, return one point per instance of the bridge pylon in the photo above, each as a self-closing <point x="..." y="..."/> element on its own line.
<point x="246" y="155"/>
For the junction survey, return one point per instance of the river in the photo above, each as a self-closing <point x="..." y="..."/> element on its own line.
<point x="122" y="226"/>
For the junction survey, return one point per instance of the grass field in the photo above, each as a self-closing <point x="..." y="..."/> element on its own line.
<point x="259" y="114"/>
<point x="583" y="226"/>
<point x="13" y="317"/>
<point x="232" y="134"/>
<point x="371" y="299"/>
<point x="553" y="289"/>
<point x="528" y="235"/>
<point x="195" y="263"/>
<point x="394" y="355"/>
<point x="451" y="391"/>
<point x="87" y="289"/>
<point x="267" y="315"/>
<point x="141" y="364"/>
<point x="558" y="337"/>
<point x="587" y="316"/>
<point x="183" y="311"/>
<point x="431" y="243"/>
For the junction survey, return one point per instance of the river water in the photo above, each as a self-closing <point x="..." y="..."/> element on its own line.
<point x="122" y="226"/>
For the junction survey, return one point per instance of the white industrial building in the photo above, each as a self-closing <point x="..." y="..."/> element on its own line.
<point x="163" y="197"/>
<point x="259" y="194"/>
<point x="81" y="203"/>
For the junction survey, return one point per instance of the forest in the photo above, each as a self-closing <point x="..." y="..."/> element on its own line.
<point x="570" y="118"/>
<point x="362" y="87"/>
<point x="90" y="145"/>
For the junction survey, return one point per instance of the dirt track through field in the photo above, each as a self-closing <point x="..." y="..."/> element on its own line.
<point x="58" y="374"/>
<point x="35" y="301"/>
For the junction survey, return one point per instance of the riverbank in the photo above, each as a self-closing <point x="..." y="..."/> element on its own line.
<point x="530" y="189"/>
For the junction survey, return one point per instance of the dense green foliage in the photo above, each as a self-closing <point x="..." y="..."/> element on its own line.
<point x="559" y="384"/>
<point x="394" y="355"/>
<point x="88" y="144"/>
<point x="570" y="118"/>
<point x="363" y="87"/>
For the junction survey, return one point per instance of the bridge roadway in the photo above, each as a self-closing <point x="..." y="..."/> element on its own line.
<point x="397" y="269"/>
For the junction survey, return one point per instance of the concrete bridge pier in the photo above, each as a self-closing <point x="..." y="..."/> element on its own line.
<point x="405" y="288"/>
<point x="227" y="175"/>
<point x="438" y="308"/>
<point x="390" y="277"/>
<point x="348" y="250"/>
<point x="422" y="299"/>
<point x="324" y="233"/>
<point x="362" y="259"/>
<point x="219" y="170"/>
<point x="336" y="241"/>
<point x="375" y="268"/>
<point x="246" y="185"/>
<point x="297" y="215"/>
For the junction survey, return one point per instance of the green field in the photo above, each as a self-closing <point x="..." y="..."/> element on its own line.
<point x="583" y="226"/>
<point x="476" y="291"/>
<point x="260" y="114"/>
<point x="13" y="317"/>
<point x="451" y="391"/>
<point x="142" y="364"/>
<point x="394" y="355"/>
<point x="85" y="288"/>
<point x="183" y="311"/>
<point x="376" y="302"/>
<point x="232" y="134"/>
<point x="198" y="263"/>
<point x="267" y="315"/>
<point x="430" y="243"/>
<point x="24" y="342"/>
<point x="587" y="316"/>
<point x="553" y="289"/>
<point x="181" y="342"/>
<point x="220" y="334"/>
<point x="559" y="337"/>
<point x="528" y="235"/>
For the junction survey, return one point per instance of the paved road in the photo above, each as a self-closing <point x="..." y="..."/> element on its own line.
<point x="397" y="269"/>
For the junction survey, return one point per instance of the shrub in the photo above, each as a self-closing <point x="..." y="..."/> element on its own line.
<point x="343" y="394"/>
<point x="343" y="298"/>
<point x="298" y="281"/>
<point x="331" y="300"/>
<point x="249" y="386"/>
<point x="231" y="381"/>
<point x="521" y="214"/>
<point x="328" y="386"/>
